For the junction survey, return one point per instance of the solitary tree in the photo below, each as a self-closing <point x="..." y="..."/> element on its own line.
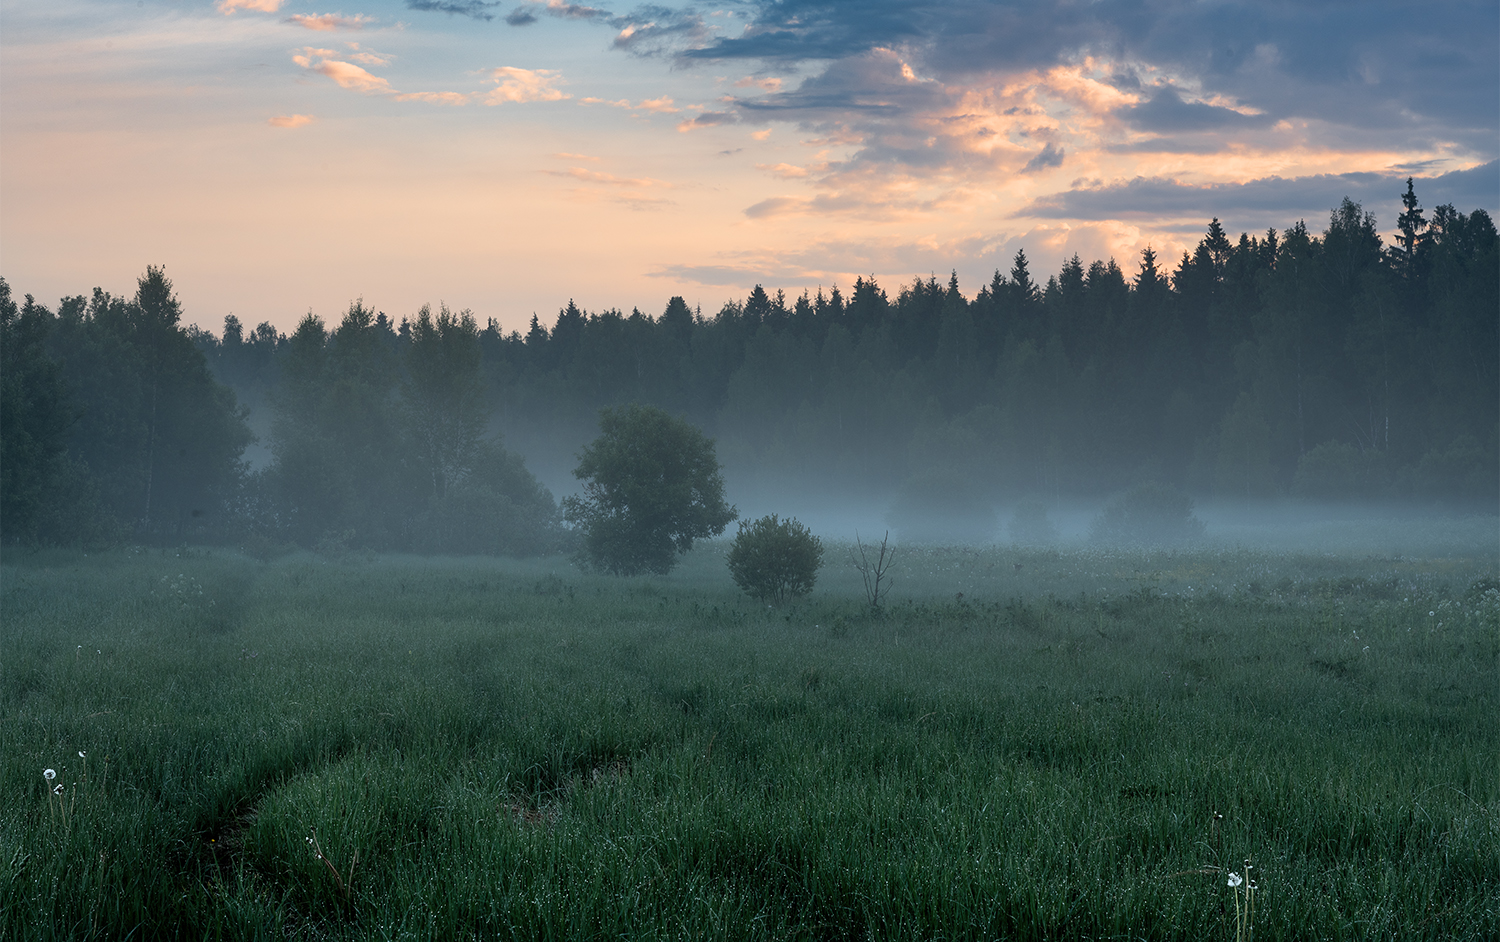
<point x="652" y="486"/>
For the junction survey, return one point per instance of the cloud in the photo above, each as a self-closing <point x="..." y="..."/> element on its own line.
<point x="523" y="85"/>
<point x="770" y="84"/>
<point x="567" y="156"/>
<point x="1166" y="111"/>
<point x="635" y="192"/>
<point x="1274" y="198"/>
<point x="366" y="56"/>
<point x="436" y="98"/>
<point x="474" y="9"/>
<point x="707" y="119"/>
<point x="1050" y="156"/>
<point x="346" y="74"/>
<point x="328" y="21"/>
<point x="595" y="176"/>
<point x="1386" y="70"/>
<point x="650" y="29"/>
<point x="353" y="77"/>
<point x="783" y="170"/>
<point x="227" y="7"/>
<point x="662" y="105"/>
<point x="291" y="120"/>
<point x="575" y="11"/>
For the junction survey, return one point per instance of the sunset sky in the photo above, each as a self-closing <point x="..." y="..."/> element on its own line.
<point x="281" y="156"/>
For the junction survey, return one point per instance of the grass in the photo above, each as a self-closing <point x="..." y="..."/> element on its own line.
<point x="1081" y="748"/>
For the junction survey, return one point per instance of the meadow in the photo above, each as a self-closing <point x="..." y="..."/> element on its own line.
<point x="1022" y="744"/>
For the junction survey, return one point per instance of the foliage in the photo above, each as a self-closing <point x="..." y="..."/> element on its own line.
<point x="153" y="442"/>
<point x="498" y="509"/>
<point x="652" y="486"/>
<point x="1463" y="473"/>
<point x="367" y="455"/>
<point x="1339" y="471"/>
<point x="1147" y="513"/>
<point x="36" y="412"/>
<point x="774" y="559"/>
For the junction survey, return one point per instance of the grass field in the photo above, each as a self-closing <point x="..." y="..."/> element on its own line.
<point x="1082" y="748"/>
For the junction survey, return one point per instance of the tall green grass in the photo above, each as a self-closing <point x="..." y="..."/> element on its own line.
<point x="1081" y="748"/>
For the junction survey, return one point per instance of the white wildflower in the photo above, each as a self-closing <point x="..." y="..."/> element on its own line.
<point x="1235" y="879"/>
<point x="50" y="774"/>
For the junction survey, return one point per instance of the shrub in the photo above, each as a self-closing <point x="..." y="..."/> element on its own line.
<point x="1147" y="513"/>
<point x="773" y="559"/>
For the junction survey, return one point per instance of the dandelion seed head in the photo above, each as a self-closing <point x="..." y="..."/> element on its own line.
<point x="49" y="774"/>
<point x="82" y="754"/>
<point x="59" y="789"/>
<point x="1235" y="879"/>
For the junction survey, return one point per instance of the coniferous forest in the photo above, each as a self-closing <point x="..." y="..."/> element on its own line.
<point x="1323" y="365"/>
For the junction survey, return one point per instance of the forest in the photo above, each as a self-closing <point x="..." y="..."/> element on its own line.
<point x="1295" y="364"/>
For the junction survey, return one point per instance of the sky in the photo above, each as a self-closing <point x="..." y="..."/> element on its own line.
<point x="284" y="156"/>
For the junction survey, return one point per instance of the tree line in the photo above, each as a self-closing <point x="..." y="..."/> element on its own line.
<point x="1317" y="364"/>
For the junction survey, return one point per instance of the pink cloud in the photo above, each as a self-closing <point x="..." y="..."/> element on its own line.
<point x="353" y="77"/>
<point x="227" y="7"/>
<point x="523" y="85"/>
<point x="783" y="170"/>
<point x="291" y="120"/>
<point x="347" y="75"/>
<point x="750" y="81"/>
<point x="662" y="105"/>
<point x="595" y="176"/>
<point x="325" y="21"/>
<point x="437" y="98"/>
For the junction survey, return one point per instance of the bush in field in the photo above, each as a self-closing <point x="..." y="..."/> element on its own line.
<point x="651" y="487"/>
<point x="774" y="559"/>
<point x="1147" y="513"/>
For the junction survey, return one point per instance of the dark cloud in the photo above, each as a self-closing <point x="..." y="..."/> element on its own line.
<point x="1166" y="112"/>
<point x="1274" y="198"/>
<point x="577" y="11"/>
<point x="475" y="9"/>
<point x="1050" y="156"/>
<point x="649" y="29"/>
<point x="1410" y="73"/>
<point x="709" y="119"/>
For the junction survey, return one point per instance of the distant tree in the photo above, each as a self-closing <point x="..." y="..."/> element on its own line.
<point x="161" y="438"/>
<point x="340" y="458"/>
<point x="774" y="559"/>
<point x="652" y="486"/>
<point x="444" y="396"/>
<point x="1148" y="513"/>
<point x="1412" y="241"/>
<point x="36" y="411"/>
